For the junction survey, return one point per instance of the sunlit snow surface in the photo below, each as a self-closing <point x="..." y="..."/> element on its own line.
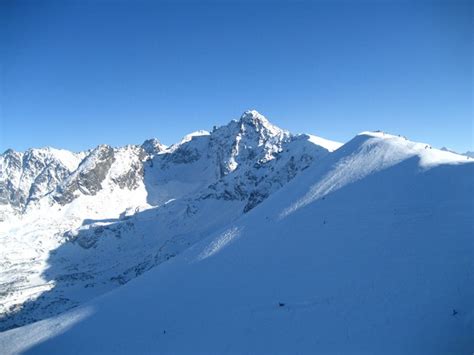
<point x="73" y="239"/>
<point x="369" y="251"/>
<point x="220" y="242"/>
<point x="30" y="335"/>
<point x="369" y="153"/>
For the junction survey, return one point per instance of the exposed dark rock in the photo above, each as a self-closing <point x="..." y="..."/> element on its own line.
<point x="88" y="176"/>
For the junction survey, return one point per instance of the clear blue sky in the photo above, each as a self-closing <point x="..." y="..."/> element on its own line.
<point x="75" y="74"/>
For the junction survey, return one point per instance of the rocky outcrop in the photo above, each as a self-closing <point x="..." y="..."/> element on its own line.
<point x="29" y="176"/>
<point x="88" y="177"/>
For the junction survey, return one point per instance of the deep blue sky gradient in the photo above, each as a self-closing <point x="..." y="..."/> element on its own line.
<point x="75" y="74"/>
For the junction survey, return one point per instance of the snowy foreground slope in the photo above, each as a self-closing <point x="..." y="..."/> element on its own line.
<point x="73" y="226"/>
<point x="368" y="251"/>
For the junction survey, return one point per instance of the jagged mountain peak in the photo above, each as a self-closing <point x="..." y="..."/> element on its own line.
<point x="46" y="154"/>
<point x="249" y="140"/>
<point x="8" y="151"/>
<point x="30" y="175"/>
<point x="88" y="177"/>
<point x="153" y="146"/>
<point x="252" y="126"/>
<point x="253" y="116"/>
<point x="252" y="119"/>
<point x="11" y="155"/>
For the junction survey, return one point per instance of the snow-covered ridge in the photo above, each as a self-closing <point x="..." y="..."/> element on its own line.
<point x="29" y="176"/>
<point x="191" y="135"/>
<point x="121" y="212"/>
<point x="91" y="215"/>
<point x="325" y="143"/>
<point x="367" y="154"/>
<point x="467" y="154"/>
<point x="428" y="155"/>
<point x="367" y="249"/>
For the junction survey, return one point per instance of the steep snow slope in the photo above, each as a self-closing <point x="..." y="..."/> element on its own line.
<point x="368" y="251"/>
<point x="125" y="210"/>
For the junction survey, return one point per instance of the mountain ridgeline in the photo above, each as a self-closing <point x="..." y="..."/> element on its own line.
<point x="246" y="239"/>
<point x="62" y="176"/>
<point x="97" y="202"/>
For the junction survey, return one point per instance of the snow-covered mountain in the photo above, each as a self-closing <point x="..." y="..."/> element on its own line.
<point x="105" y="216"/>
<point x="27" y="177"/>
<point x="467" y="154"/>
<point x="369" y="249"/>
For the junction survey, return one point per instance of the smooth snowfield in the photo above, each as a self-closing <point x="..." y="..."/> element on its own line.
<point x="368" y="251"/>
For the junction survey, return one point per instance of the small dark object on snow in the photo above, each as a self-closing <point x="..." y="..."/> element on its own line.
<point x="164" y="331"/>
<point x="454" y="312"/>
<point x="281" y="304"/>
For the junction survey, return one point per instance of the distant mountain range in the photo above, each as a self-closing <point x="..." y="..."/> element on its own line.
<point x="245" y="239"/>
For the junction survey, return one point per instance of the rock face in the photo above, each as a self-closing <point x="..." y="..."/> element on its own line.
<point x="245" y="160"/>
<point x="88" y="177"/>
<point x="29" y="176"/>
<point x="153" y="146"/>
<point x="93" y="221"/>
